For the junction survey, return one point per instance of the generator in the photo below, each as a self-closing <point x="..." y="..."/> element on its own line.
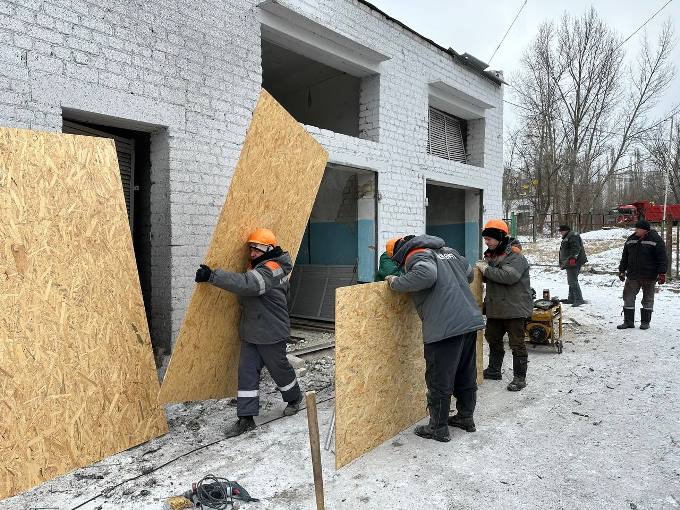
<point x="545" y="325"/>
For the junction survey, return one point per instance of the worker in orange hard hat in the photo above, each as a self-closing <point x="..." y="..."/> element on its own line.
<point x="262" y="292"/>
<point x="507" y="303"/>
<point x="388" y="266"/>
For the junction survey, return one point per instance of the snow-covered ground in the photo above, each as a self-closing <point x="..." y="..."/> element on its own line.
<point x="598" y="427"/>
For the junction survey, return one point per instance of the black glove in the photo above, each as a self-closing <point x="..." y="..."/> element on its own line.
<point x="203" y="274"/>
<point x="622" y="276"/>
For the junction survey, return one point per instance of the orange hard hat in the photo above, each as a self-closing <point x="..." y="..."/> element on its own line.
<point x="262" y="236"/>
<point x="497" y="224"/>
<point x="389" y="247"/>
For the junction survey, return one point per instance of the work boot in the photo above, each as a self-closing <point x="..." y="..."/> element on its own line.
<point x="576" y="304"/>
<point x="567" y="301"/>
<point x="645" y="318"/>
<point x="628" y="319"/>
<point x="466" y="402"/>
<point x="243" y="425"/>
<point x="293" y="407"/>
<point x="519" y="368"/>
<point x="493" y="371"/>
<point x="437" y="428"/>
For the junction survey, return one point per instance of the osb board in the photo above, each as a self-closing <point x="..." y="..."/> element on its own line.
<point x="477" y="288"/>
<point x="77" y="375"/>
<point x="379" y="366"/>
<point x="274" y="186"/>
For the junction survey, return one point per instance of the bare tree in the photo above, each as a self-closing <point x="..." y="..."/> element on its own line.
<point x="583" y="111"/>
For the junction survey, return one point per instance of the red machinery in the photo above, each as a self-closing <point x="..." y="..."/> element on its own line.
<point x="630" y="213"/>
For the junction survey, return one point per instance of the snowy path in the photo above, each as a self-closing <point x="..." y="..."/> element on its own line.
<point x="598" y="427"/>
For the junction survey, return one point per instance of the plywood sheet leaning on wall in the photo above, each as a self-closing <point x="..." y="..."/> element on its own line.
<point x="477" y="287"/>
<point x="274" y="186"/>
<point x="379" y="366"/>
<point x="77" y="375"/>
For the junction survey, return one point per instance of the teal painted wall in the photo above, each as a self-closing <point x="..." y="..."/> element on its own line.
<point x="472" y="241"/>
<point x="366" y="254"/>
<point x="331" y="244"/>
<point x="454" y="235"/>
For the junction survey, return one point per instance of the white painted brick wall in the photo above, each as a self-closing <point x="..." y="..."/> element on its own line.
<point x="190" y="73"/>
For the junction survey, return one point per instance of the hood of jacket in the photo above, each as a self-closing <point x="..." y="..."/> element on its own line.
<point x="424" y="241"/>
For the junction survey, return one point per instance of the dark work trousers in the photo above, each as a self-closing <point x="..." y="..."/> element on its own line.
<point x="631" y="289"/>
<point x="496" y="330"/>
<point x="451" y="369"/>
<point x="574" y="288"/>
<point x="253" y="358"/>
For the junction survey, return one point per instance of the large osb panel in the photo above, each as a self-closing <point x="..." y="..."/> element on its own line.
<point x="477" y="288"/>
<point x="379" y="366"/>
<point x="274" y="186"/>
<point x="77" y="375"/>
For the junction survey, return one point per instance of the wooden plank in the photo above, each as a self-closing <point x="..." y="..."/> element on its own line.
<point x="379" y="367"/>
<point x="274" y="186"/>
<point x="77" y="375"/>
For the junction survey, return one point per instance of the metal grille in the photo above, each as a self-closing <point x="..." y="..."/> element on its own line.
<point x="445" y="136"/>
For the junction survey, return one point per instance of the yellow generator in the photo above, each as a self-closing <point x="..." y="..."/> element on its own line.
<point x="545" y="326"/>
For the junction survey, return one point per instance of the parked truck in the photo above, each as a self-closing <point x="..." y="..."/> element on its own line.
<point x="630" y="213"/>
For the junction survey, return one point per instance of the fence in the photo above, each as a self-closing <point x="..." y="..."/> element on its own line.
<point x="525" y="224"/>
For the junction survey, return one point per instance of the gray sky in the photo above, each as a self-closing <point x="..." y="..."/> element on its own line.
<point x="477" y="26"/>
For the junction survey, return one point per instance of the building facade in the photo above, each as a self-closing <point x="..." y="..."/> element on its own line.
<point x="413" y="130"/>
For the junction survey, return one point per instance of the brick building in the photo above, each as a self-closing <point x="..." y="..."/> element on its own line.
<point x="413" y="130"/>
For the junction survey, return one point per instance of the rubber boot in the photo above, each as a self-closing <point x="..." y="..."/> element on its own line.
<point x="628" y="319"/>
<point x="437" y="429"/>
<point x="292" y="407"/>
<point x="493" y="371"/>
<point x="243" y="425"/>
<point x="645" y="318"/>
<point x="519" y="367"/>
<point x="465" y="407"/>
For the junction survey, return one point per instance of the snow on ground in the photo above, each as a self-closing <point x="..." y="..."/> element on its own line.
<point x="598" y="427"/>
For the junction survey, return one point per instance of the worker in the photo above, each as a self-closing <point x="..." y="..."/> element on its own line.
<point x="508" y="302"/>
<point x="643" y="264"/>
<point x="437" y="278"/>
<point x="572" y="257"/>
<point x="388" y="266"/>
<point x="265" y="325"/>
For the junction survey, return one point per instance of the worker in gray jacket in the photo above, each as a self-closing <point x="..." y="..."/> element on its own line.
<point x="438" y="278"/>
<point x="265" y="325"/>
<point x="508" y="301"/>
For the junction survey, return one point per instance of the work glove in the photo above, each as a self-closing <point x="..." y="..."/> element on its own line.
<point x="389" y="279"/>
<point x="661" y="278"/>
<point x="203" y="274"/>
<point x="572" y="262"/>
<point x="622" y="276"/>
<point x="482" y="265"/>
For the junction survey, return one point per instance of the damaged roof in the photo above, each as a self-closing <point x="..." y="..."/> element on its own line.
<point x="476" y="65"/>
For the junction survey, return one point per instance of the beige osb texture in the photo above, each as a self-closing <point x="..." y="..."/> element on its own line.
<point x="379" y="366"/>
<point x="477" y="288"/>
<point x="274" y="186"/>
<point x="77" y="375"/>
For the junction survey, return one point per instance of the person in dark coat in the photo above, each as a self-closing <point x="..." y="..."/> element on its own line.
<point x="643" y="264"/>
<point x="438" y="280"/>
<point x="262" y="292"/>
<point x="572" y="257"/>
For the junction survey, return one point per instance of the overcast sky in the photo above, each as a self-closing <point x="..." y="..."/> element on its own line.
<point x="477" y="26"/>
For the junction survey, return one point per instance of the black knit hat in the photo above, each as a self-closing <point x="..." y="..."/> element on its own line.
<point x="564" y="228"/>
<point x="494" y="233"/>
<point x="643" y="224"/>
<point x="399" y="243"/>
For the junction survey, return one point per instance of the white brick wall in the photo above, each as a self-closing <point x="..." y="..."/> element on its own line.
<point x="189" y="73"/>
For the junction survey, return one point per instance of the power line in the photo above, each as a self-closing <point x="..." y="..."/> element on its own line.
<point x="508" y="30"/>
<point x="642" y="26"/>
